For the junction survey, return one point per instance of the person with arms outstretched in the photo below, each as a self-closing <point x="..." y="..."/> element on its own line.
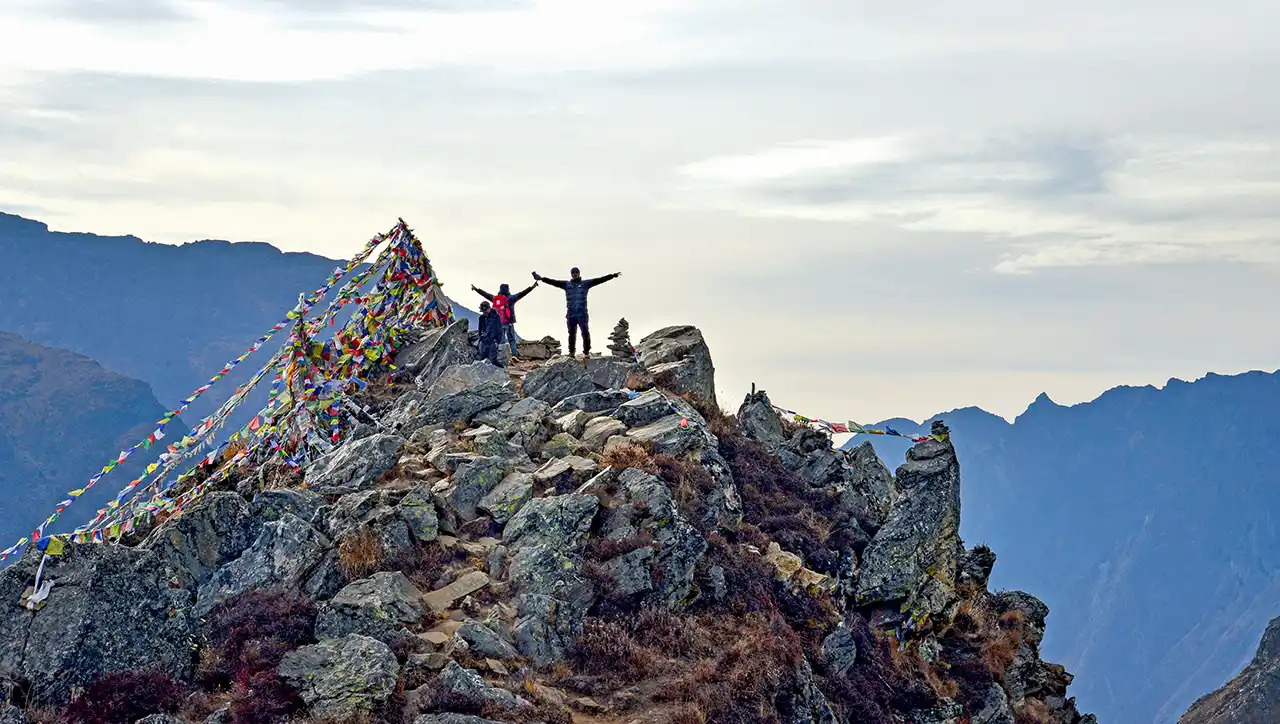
<point x="575" y="296"/>
<point x="504" y="303"/>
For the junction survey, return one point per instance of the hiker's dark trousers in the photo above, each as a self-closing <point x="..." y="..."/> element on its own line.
<point x="576" y="323"/>
<point x="489" y="353"/>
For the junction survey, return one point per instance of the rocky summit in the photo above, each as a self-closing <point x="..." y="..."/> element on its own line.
<point x="1253" y="697"/>
<point x="562" y="541"/>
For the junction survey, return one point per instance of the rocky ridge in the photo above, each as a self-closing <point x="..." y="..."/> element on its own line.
<point x="568" y="541"/>
<point x="1253" y="697"/>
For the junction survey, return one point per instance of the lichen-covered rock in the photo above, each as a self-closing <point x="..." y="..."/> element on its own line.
<point x="995" y="708"/>
<point x="482" y="640"/>
<point x="355" y="466"/>
<point x="418" y="511"/>
<point x="562" y="445"/>
<point x="284" y="553"/>
<point x="473" y="478"/>
<point x="914" y="558"/>
<point x="561" y="522"/>
<point x="976" y="567"/>
<point x="383" y="606"/>
<point x="761" y="422"/>
<point x="630" y="574"/>
<point x="645" y="409"/>
<point x="805" y="703"/>
<point x="111" y="608"/>
<point x="574" y="422"/>
<point x="840" y="650"/>
<point x="504" y="501"/>
<point x="270" y="505"/>
<point x="465" y="391"/>
<point x="868" y="489"/>
<point x="599" y="430"/>
<point x="214" y="530"/>
<point x="467" y="685"/>
<point x="525" y="421"/>
<point x="344" y="677"/>
<point x="614" y="374"/>
<point x="435" y="351"/>
<point x="594" y="401"/>
<point x="560" y="378"/>
<point x="673" y="435"/>
<point x="565" y="474"/>
<point x="679" y="359"/>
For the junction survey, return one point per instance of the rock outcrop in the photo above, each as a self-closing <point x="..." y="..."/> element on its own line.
<point x="679" y="359"/>
<point x="1252" y="697"/>
<point x="344" y="677"/>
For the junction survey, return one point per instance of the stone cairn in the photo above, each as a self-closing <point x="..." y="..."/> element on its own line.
<point x="620" y="340"/>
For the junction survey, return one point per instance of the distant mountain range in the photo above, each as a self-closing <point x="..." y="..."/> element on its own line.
<point x="1145" y="519"/>
<point x="170" y="316"/>
<point x="64" y="418"/>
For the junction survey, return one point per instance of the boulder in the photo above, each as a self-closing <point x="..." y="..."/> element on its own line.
<point x="347" y="677"/>
<point x="467" y="685"/>
<point x="418" y="511"/>
<point x="1033" y="610"/>
<point x="565" y="474"/>
<point x="574" y="422"/>
<point x="679" y="359"/>
<point x="355" y="466"/>
<point x="805" y="703"/>
<point x="599" y="430"/>
<point x="561" y="522"/>
<point x="465" y="391"/>
<point x="473" y="478"/>
<point x="678" y="545"/>
<point x="270" y="505"/>
<point x="976" y="567"/>
<point x="562" y="445"/>
<point x="646" y="408"/>
<point x="284" y="553"/>
<point x="673" y="435"/>
<point x="630" y="574"/>
<point x="442" y="598"/>
<point x="435" y="351"/>
<point x="482" y="640"/>
<point x="761" y="422"/>
<point x="504" y="501"/>
<point x="383" y="606"/>
<point x="594" y="401"/>
<point x="560" y="378"/>
<point x="326" y="579"/>
<point x="913" y="559"/>
<point x="868" y="490"/>
<point x="524" y="421"/>
<point x="995" y="707"/>
<point x="614" y="374"/>
<point x="840" y="649"/>
<point x="213" y="531"/>
<point x="111" y="608"/>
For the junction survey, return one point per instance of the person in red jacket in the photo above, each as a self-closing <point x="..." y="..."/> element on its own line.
<point x="504" y="303"/>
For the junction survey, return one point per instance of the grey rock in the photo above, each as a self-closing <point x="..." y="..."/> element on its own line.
<point x="562" y="445"/>
<point x="719" y="586"/>
<point x="346" y="515"/>
<point x="354" y="467"/>
<point x="560" y="378"/>
<point x="613" y="374"/>
<point x="995" y="708"/>
<point x="678" y="357"/>
<point x="467" y="684"/>
<point x="111" y="608"/>
<point x="1033" y="610"/>
<point x="504" y="501"/>
<point x="629" y="574"/>
<point x="408" y="416"/>
<point x="10" y="714"/>
<point x="435" y="351"/>
<point x="840" y="649"/>
<point x="546" y="627"/>
<point x="525" y="421"/>
<point x="485" y="642"/>
<point x="156" y="719"/>
<point x="761" y="422"/>
<point x="948" y="712"/>
<point x="869" y="490"/>
<point x="418" y="511"/>
<point x="599" y="430"/>
<point x="382" y="606"/>
<point x="805" y="703"/>
<point x="976" y="566"/>
<point x="216" y="529"/>
<point x="326" y="579"/>
<point x="668" y="435"/>
<point x="913" y="559"/>
<point x="473" y="478"/>
<point x="221" y="716"/>
<point x="343" y="677"/>
<point x="645" y="409"/>
<point x="465" y="391"/>
<point x="270" y="505"/>
<point x="679" y="545"/>
<point x="594" y="401"/>
<point x="452" y="719"/>
<point x="284" y="553"/>
<point x="574" y="422"/>
<point x="561" y="522"/>
<point x="565" y="474"/>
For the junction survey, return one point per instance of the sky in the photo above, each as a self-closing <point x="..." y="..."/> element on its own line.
<point x="870" y="209"/>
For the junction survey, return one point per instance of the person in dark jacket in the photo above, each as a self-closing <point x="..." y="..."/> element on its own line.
<point x="490" y="334"/>
<point x="504" y="303"/>
<point x="575" y="296"/>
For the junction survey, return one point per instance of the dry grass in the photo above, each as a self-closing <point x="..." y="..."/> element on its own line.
<point x="1033" y="711"/>
<point x="629" y="455"/>
<point x="360" y="554"/>
<point x="685" y="714"/>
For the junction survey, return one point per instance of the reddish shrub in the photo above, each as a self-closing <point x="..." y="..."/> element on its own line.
<point x="264" y="699"/>
<point x="126" y="696"/>
<point x="252" y="632"/>
<point x="607" y="649"/>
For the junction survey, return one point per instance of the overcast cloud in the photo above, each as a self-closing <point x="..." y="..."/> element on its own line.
<point x="870" y="208"/>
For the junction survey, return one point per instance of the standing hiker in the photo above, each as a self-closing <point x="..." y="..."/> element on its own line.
<point x="575" y="296"/>
<point x="504" y="303"/>
<point x="490" y="334"/>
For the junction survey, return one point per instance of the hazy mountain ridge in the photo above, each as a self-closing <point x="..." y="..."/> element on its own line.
<point x="64" y="418"/>
<point x="1143" y="519"/>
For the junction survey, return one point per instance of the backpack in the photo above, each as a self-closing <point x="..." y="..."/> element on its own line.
<point x="502" y="306"/>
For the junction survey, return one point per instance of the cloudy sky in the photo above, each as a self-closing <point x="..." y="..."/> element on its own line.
<point x="871" y="209"/>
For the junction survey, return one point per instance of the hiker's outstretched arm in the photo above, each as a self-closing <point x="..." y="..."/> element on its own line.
<point x="520" y="296"/>
<point x="559" y="283"/>
<point x="603" y="279"/>
<point x="482" y="292"/>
